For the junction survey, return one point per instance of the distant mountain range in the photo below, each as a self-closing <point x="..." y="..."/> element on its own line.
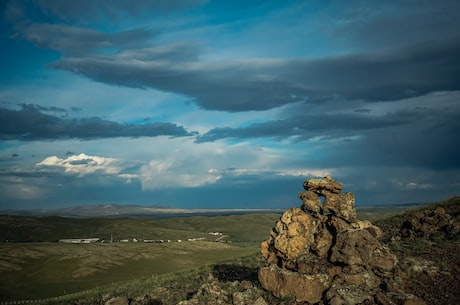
<point x="115" y="210"/>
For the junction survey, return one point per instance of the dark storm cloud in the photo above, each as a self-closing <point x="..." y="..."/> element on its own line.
<point x="264" y="84"/>
<point x="417" y="54"/>
<point x="418" y="146"/>
<point x="416" y="137"/>
<point x="31" y="123"/>
<point x="390" y="23"/>
<point x="307" y="126"/>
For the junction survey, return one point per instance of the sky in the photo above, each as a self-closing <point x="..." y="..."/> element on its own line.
<point x="227" y="104"/>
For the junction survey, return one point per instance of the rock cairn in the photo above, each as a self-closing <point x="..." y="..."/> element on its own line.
<point x="321" y="253"/>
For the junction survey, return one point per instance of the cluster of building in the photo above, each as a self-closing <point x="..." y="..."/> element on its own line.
<point x="80" y="240"/>
<point x="135" y="240"/>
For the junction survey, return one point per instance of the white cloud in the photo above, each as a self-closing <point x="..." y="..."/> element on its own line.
<point x="183" y="163"/>
<point x="415" y="186"/>
<point x="81" y="165"/>
<point x="168" y="174"/>
<point x="307" y="172"/>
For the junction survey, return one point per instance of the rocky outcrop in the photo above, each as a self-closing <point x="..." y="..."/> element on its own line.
<point x="321" y="253"/>
<point x="215" y="293"/>
<point x="425" y="222"/>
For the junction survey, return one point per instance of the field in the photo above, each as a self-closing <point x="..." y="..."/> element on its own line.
<point x="40" y="270"/>
<point x="34" y="270"/>
<point x="236" y="228"/>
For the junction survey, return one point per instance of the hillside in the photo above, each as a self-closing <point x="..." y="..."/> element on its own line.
<point x="436" y="255"/>
<point x="431" y="265"/>
<point x="247" y="227"/>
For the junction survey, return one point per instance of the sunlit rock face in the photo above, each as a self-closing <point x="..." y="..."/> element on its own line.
<point x="321" y="253"/>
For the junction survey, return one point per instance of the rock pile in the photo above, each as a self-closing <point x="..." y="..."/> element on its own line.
<point x="422" y="223"/>
<point x="321" y="253"/>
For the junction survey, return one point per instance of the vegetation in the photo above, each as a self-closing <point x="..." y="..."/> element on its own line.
<point x="168" y="273"/>
<point x="40" y="270"/>
<point x="32" y="270"/>
<point x="248" y="227"/>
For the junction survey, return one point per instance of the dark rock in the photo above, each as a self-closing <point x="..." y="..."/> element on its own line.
<point x="423" y="223"/>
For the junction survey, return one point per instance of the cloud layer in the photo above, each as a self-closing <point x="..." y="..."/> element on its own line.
<point x="227" y="103"/>
<point x="32" y="123"/>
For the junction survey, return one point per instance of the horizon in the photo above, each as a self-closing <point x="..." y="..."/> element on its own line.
<point x="160" y="208"/>
<point x="215" y="104"/>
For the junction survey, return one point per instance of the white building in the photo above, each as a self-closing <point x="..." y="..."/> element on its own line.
<point x="79" y="240"/>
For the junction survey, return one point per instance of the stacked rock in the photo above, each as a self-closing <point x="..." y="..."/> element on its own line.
<point x="321" y="254"/>
<point x="424" y="223"/>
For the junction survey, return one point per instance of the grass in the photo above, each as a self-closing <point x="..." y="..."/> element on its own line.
<point x="236" y="227"/>
<point x="167" y="273"/>
<point x="171" y="288"/>
<point x="40" y="270"/>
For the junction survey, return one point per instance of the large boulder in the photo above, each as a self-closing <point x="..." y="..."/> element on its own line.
<point x="285" y="283"/>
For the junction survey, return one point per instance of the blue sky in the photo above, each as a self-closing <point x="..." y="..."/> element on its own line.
<point x="227" y="104"/>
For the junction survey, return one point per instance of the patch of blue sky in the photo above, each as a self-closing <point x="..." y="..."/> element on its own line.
<point x="19" y="64"/>
<point x="6" y="147"/>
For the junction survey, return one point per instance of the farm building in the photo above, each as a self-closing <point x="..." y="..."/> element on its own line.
<point x="79" y="240"/>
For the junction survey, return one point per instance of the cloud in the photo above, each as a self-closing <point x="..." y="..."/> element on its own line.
<point x="390" y="23"/>
<point x="115" y="9"/>
<point x="31" y="123"/>
<point x="71" y="40"/>
<point x="20" y="191"/>
<point x="307" y="126"/>
<point x="259" y="84"/>
<point x="81" y="165"/>
<point x="416" y="132"/>
<point x="167" y="174"/>
<point x="389" y="72"/>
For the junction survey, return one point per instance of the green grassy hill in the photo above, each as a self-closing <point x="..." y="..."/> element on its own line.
<point x="248" y="227"/>
<point x="41" y="270"/>
<point x="32" y="270"/>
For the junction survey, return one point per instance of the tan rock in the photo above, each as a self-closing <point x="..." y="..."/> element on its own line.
<point x="290" y="248"/>
<point x="118" y="301"/>
<point x="367" y="225"/>
<point x="270" y="256"/>
<point x="310" y="202"/>
<point x="291" y="237"/>
<point x="364" y="278"/>
<point x="359" y="247"/>
<point x="341" y="205"/>
<point x="323" y="186"/>
<point x="322" y="243"/>
<point x="337" y="224"/>
<point x="260" y="301"/>
<point x="284" y="283"/>
<point x="347" y="294"/>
